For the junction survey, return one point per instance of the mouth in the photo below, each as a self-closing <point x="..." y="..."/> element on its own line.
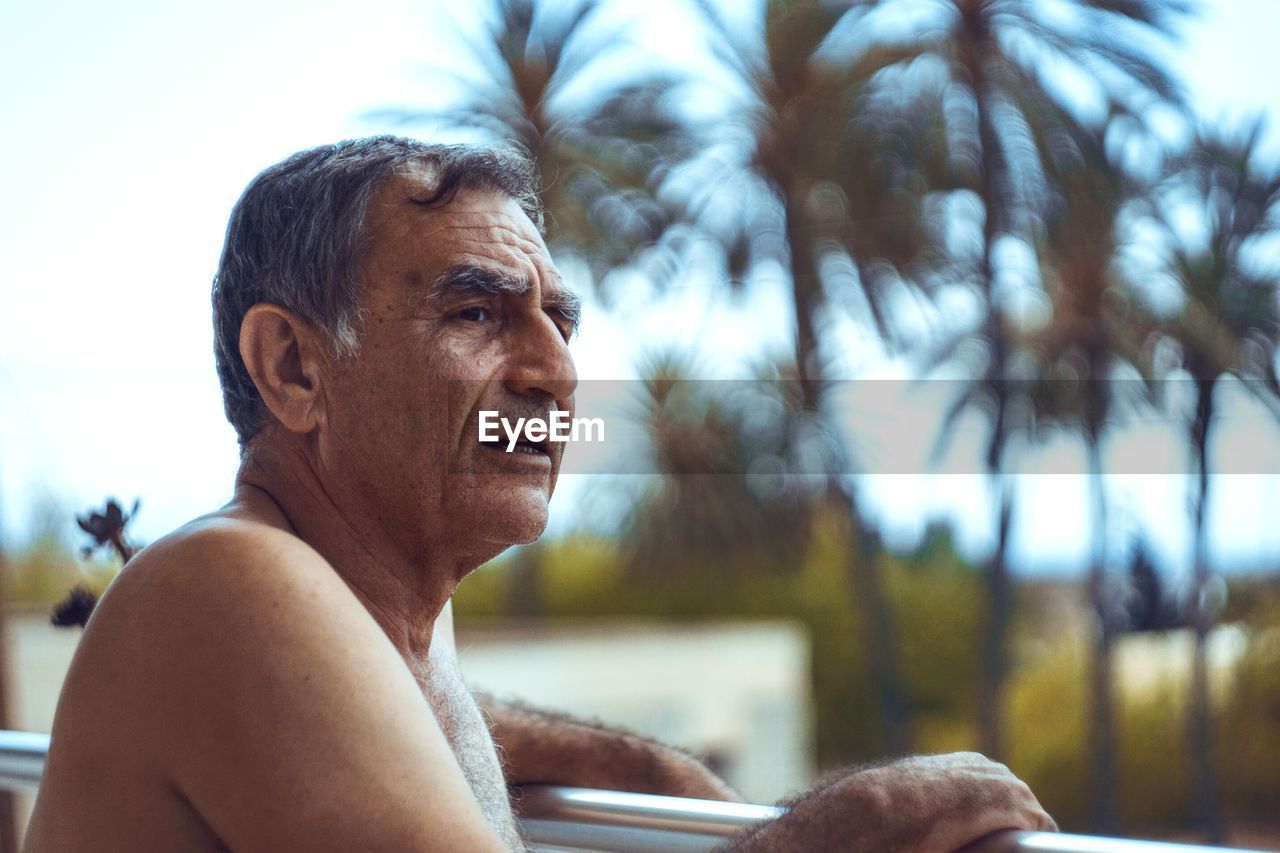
<point x="523" y="447"/>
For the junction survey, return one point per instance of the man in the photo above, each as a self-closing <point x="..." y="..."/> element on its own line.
<point x="280" y="674"/>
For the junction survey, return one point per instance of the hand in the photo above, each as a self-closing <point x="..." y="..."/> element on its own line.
<point x="674" y="773"/>
<point x="923" y="804"/>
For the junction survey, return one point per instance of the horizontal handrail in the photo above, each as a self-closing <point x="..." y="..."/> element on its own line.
<point x="556" y="818"/>
<point x="572" y="820"/>
<point x="22" y="759"/>
<point x="577" y="819"/>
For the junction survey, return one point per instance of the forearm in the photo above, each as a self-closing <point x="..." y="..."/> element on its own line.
<point x="545" y="747"/>
<point x="927" y="804"/>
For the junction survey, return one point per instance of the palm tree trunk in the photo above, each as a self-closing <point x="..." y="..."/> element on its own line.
<point x="999" y="595"/>
<point x="995" y="631"/>
<point x="807" y="301"/>
<point x="878" y="634"/>
<point x="1102" y="729"/>
<point x="1204" y="789"/>
<point x="863" y="571"/>
<point x="980" y="41"/>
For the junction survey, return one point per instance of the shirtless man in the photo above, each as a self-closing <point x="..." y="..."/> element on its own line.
<point x="280" y="675"/>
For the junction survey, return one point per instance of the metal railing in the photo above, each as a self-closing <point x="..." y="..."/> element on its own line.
<point x="22" y="759"/>
<point x="579" y="820"/>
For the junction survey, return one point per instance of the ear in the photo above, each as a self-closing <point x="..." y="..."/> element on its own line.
<point x="285" y="358"/>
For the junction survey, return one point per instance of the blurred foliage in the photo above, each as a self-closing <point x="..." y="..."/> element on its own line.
<point x="1228" y="319"/>
<point x="44" y="570"/>
<point x="1248" y="750"/>
<point x="1049" y="734"/>
<point x="534" y="81"/>
<point x="735" y="491"/>
<point x="938" y="598"/>
<point x="587" y="578"/>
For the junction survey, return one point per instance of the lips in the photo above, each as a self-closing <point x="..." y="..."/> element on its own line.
<point x="535" y="447"/>
<point x="516" y="422"/>
<point x="523" y="445"/>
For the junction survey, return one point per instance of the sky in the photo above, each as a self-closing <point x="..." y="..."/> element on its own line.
<point x="131" y="128"/>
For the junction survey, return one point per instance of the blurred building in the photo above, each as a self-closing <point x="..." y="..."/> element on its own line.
<point x="1161" y="661"/>
<point x="1143" y="662"/>
<point x="735" y="694"/>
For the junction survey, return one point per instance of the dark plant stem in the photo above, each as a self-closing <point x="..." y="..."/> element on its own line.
<point x="995" y="629"/>
<point x="1102" y="727"/>
<point x="1204" y="789"/>
<point x="979" y="43"/>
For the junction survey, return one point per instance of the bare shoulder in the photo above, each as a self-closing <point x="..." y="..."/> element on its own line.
<point x="217" y="561"/>
<point x="230" y="661"/>
<point x="193" y="622"/>
<point x="214" y="589"/>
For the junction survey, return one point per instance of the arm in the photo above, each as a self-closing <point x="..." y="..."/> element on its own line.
<point x="540" y="746"/>
<point x="923" y="804"/>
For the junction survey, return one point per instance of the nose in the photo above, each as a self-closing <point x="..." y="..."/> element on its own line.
<point x="540" y="363"/>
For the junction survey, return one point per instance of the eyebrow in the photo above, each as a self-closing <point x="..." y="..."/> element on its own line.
<point x="468" y="279"/>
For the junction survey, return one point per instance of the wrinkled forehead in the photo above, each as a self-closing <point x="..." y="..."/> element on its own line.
<point x="408" y="224"/>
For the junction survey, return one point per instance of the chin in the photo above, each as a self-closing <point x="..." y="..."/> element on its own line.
<point x="517" y="520"/>
<point x="506" y="533"/>
<point x="526" y="527"/>
<point x="498" y="510"/>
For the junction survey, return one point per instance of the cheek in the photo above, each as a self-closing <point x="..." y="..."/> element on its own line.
<point x="386" y="406"/>
<point x="400" y="409"/>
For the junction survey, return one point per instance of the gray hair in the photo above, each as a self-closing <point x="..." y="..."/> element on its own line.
<point x="296" y="237"/>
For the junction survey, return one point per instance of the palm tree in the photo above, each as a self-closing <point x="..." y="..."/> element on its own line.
<point x="544" y="82"/>
<point x="815" y="167"/>
<point x="1089" y="339"/>
<point x="1000" y="54"/>
<point x="815" y="159"/>
<point x="1227" y="325"/>
<point x="711" y="508"/>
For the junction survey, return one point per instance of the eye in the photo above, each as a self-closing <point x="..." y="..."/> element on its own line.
<point x="474" y="314"/>
<point x="563" y="323"/>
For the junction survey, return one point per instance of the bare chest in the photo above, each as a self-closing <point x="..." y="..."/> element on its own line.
<point x="458" y="715"/>
<point x="464" y="727"/>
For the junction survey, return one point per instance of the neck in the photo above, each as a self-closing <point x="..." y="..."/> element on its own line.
<point x="404" y="587"/>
